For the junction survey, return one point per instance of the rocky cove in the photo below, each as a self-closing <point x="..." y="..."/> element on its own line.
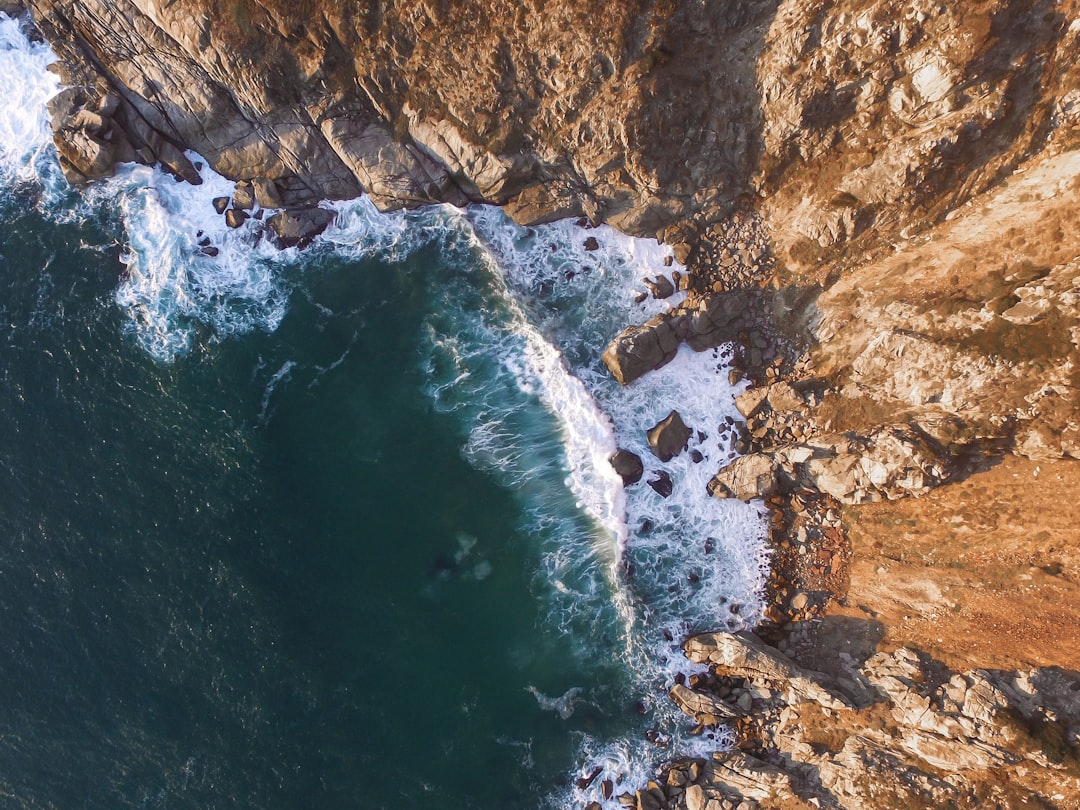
<point x="876" y="202"/>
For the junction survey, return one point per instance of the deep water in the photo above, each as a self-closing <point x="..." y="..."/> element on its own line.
<point x="333" y="529"/>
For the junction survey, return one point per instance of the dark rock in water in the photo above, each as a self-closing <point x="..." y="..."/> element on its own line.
<point x="211" y="251"/>
<point x="594" y="806"/>
<point x="696" y="457"/>
<point x="662" y="484"/>
<point x="298" y="226"/>
<point x="646" y="526"/>
<point x="220" y="204"/>
<point x="628" y="465"/>
<point x="243" y="196"/>
<point x="235" y="217"/>
<point x="607" y="789"/>
<point x="205" y="241"/>
<point x="668" y="437"/>
<point x="584" y="781"/>
<point x="592" y="244"/>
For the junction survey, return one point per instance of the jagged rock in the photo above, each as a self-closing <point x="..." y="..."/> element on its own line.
<point x="891" y="462"/>
<point x="704" y="708"/>
<point x="591" y="243"/>
<point x="746" y="478"/>
<point x="297" y="227"/>
<point x="669" y="436"/>
<point x="953" y="755"/>
<point x="628" y="465"/>
<point x="752" y="778"/>
<point x="220" y="204"/>
<point x="744" y="655"/>
<point x="661" y="288"/>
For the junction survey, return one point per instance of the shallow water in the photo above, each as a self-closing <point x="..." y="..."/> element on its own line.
<point x="333" y="528"/>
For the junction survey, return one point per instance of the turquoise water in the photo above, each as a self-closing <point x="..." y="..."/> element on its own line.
<point x="333" y="528"/>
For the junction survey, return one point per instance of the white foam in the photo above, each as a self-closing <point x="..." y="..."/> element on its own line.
<point x="703" y="563"/>
<point x="26" y="147"/>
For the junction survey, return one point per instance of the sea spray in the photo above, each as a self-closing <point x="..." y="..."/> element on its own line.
<point x="27" y="155"/>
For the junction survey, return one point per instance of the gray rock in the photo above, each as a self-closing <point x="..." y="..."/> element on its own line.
<point x="669" y="436"/>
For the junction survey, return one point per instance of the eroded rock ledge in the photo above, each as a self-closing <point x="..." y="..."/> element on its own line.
<point x="876" y="730"/>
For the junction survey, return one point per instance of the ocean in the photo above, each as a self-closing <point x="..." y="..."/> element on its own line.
<point x="335" y="528"/>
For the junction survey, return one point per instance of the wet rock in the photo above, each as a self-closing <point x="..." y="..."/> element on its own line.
<point x="235" y="217"/>
<point x="640" y="349"/>
<point x="591" y="243"/>
<point x="661" y="288"/>
<point x="661" y="483"/>
<point x="668" y="437"/>
<point x="220" y="204"/>
<point x="298" y="227"/>
<point x="628" y="465"/>
<point x="244" y="196"/>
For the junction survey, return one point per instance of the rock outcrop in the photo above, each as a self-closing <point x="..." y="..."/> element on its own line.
<point x="843" y="120"/>
<point x="897" y="729"/>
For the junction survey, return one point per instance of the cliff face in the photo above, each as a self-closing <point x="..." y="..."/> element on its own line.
<point x="831" y="116"/>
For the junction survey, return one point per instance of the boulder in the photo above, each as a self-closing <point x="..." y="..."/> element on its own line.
<point x="668" y="437"/>
<point x="235" y="217"/>
<point x="296" y="227"/>
<point x="220" y="204"/>
<point x="266" y="193"/>
<point x="628" y="465"/>
<point x="640" y="349"/>
<point x="661" y="288"/>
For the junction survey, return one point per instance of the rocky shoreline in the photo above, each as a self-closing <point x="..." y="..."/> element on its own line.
<point x="878" y="203"/>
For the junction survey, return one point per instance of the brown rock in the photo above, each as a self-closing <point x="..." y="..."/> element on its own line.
<point x="669" y="436"/>
<point x="297" y="227"/>
<point x="235" y="217"/>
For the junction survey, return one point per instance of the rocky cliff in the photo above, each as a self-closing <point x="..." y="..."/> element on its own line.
<point x="877" y="200"/>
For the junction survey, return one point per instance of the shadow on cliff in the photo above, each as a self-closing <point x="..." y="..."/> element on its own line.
<point x="699" y="131"/>
<point x="1025" y="37"/>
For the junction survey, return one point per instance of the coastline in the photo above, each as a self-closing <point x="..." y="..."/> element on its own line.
<point x="836" y="422"/>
